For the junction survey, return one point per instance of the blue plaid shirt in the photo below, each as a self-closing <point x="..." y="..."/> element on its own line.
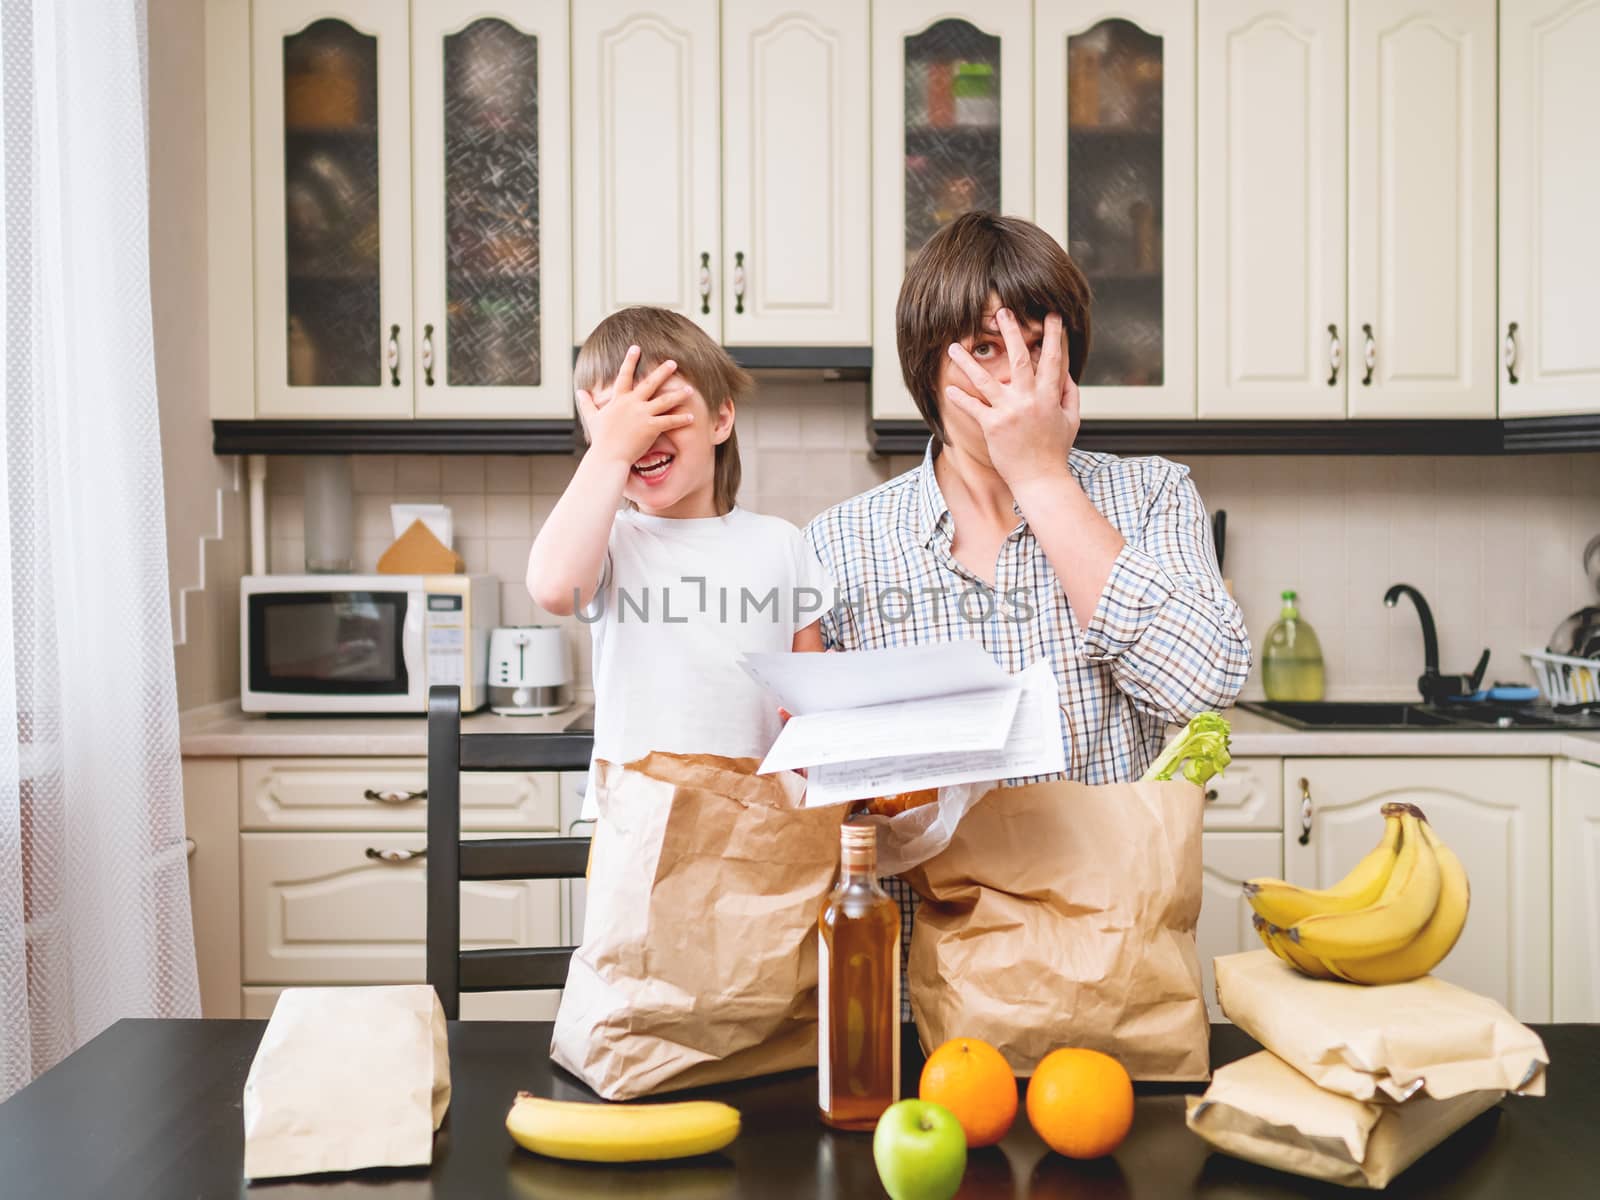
<point x="1166" y="642"/>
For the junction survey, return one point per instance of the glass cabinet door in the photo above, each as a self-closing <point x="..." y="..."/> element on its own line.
<point x="490" y="178"/>
<point x="953" y="133"/>
<point x="332" y="209"/>
<point x="1116" y="184"/>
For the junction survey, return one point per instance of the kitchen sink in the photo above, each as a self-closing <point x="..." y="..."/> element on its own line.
<point x="1336" y="714"/>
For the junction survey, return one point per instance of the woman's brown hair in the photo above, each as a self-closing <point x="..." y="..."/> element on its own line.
<point x="661" y="335"/>
<point x="948" y="286"/>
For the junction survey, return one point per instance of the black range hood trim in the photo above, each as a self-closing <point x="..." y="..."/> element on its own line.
<point x="394" y="437"/>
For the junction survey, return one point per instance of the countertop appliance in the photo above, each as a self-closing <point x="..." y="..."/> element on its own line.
<point x="530" y="670"/>
<point x="363" y="643"/>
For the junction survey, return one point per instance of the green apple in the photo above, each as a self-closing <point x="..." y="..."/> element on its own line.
<point x="921" y="1151"/>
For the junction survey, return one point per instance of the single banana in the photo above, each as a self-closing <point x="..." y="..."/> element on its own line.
<point x="1281" y="903"/>
<point x="620" y="1132"/>
<point x="1397" y="916"/>
<point x="1437" y="938"/>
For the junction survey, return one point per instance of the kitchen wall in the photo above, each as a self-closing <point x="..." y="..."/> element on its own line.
<point x="206" y="544"/>
<point x="1493" y="543"/>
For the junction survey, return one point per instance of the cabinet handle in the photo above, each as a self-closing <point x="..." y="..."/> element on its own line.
<point x="1335" y="355"/>
<point x="705" y="283"/>
<point x="189" y="847"/>
<point x="395" y="856"/>
<point x="738" y="282"/>
<point x="427" y="355"/>
<point x="1305" y="812"/>
<point x="1511" y="352"/>
<point x="1211" y="795"/>
<point x="393" y="355"/>
<point x="1370" y="354"/>
<point x="395" y="797"/>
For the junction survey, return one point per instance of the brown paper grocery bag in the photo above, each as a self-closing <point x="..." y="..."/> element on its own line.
<point x="1064" y="915"/>
<point x="1387" y="1042"/>
<point x="1264" y="1111"/>
<point x="699" y="955"/>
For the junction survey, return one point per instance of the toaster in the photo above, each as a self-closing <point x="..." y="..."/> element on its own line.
<point x="530" y="670"/>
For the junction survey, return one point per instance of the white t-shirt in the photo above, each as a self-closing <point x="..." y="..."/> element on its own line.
<point x="679" y="602"/>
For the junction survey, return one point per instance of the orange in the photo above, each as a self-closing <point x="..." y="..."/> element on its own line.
<point x="973" y="1080"/>
<point x="1080" y="1102"/>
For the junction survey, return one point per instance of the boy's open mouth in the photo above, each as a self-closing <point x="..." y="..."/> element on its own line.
<point x="652" y="467"/>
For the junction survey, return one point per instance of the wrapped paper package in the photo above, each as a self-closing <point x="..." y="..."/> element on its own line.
<point x="345" y="1079"/>
<point x="1264" y="1111"/>
<point x="1061" y="914"/>
<point x="1389" y="1042"/>
<point x="698" y="962"/>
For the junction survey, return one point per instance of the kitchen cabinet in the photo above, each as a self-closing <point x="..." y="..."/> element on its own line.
<point x="1228" y="860"/>
<point x="952" y="109"/>
<point x="492" y="324"/>
<point x="1575" y="887"/>
<point x="1495" y="814"/>
<point x="796" y="174"/>
<point x="333" y="207"/>
<point x="409" y="209"/>
<point x="1271" y="203"/>
<point x="1421" y="321"/>
<point x="211" y="827"/>
<point x="647" y="214"/>
<point x="1549" y="178"/>
<point x="1115" y="183"/>
<point x="1248" y="795"/>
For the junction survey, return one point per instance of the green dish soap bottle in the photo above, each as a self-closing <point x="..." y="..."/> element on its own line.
<point x="1291" y="663"/>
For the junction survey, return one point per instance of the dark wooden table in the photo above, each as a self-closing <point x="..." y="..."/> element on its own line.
<point x="152" y="1109"/>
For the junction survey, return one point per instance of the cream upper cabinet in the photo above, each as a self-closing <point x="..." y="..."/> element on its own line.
<point x="1575" y="879"/>
<point x="1494" y="813"/>
<point x="490" y="160"/>
<point x="952" y="124"/>
<point x="796" y="264"/>
<point x="646" y="159"/>
<point x="1549" y="189"/>
<point x="1421" y="325"/>
<point x="332" y="199"/>
<point x="1228" y="859"/>
<point x="1115" y="183"/>
<point x="1271" y="171"/>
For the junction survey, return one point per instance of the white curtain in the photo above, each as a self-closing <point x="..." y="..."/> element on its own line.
<point x="94" y="898"/>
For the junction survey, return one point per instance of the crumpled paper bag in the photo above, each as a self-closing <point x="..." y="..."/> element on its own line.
<point x="1389" y="1041"/>
<point x="347" y="1078"/>
<point x="699" y="955"/>
<point x="1264" y="1111"/>
<point x="1062" y="914"/>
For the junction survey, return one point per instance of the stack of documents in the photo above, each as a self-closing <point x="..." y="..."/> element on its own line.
<point x="875" y="722"/>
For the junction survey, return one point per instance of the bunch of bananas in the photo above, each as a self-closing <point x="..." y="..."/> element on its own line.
<point x="620" y="1132"/>
<point x="1392" y="919"/>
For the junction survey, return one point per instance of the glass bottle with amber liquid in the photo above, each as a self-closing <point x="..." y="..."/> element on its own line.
<point x="858" y="993"/>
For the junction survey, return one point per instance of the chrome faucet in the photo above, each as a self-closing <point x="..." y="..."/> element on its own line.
<point x="1434" y="686"/>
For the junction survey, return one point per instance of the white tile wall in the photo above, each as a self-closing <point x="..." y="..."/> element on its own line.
<point x="1492" y="542"/>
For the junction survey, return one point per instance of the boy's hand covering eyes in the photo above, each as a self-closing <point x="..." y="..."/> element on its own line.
<point x="1030" y="423"/>
<point x="624" y="420"/>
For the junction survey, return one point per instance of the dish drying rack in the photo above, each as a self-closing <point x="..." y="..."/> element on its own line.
<point x="1565" y="679"/>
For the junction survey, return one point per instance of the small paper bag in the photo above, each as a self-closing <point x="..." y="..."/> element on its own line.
<point x="1064" y="915"/>
<point x="347" y="1078"/>
<point x="699" y="955"/>
<point x="1389" y="1041"/>
<point x="1264" y="1111"/>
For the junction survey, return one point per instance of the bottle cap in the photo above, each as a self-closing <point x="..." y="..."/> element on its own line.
<point x="859" y="843"/>
<point x="1290" y="595"/>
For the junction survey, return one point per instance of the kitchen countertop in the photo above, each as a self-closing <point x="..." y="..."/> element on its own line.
<point x="182" y="1136"/>
<point x="222" y="731"/>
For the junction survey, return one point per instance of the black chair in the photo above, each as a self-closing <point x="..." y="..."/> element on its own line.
<point x="451" y="970"/>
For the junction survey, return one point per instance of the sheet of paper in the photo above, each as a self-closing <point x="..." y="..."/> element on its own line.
<point x="969" y="722"/>
<point x="810" y="683"/>
<point x="1033" y="747"/>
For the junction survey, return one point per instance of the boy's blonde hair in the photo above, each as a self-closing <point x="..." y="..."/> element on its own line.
<point x="661" y="335"/>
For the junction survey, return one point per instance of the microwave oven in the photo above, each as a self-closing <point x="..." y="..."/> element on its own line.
<point x="363" y="643"/>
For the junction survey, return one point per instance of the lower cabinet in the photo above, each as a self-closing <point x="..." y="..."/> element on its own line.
<point x="1229" y="859"/>
<point x="1495" y="814"/>
<point x="1575" y="879"/>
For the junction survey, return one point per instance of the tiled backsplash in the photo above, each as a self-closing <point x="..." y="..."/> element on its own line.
<point x="1493" y="543"/>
